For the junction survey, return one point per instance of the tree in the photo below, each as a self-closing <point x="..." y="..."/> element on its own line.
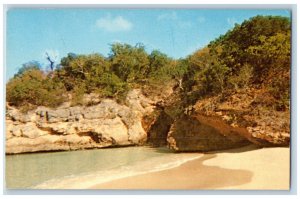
<point x="32" y="65"/>
<point x="273" y="53"/>
<point x="130" y="63"/>
<point x="255" y="36"/>
<point x="157" y="61"/>
<point x="206" y="72"/>
<point x="255" y="53"/>
<point x="51" y="60"/>
<point x="83" y="69"/>
<point x="33" y="88"/>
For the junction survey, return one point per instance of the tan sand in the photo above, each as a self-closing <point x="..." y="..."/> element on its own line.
<point x="246" y="168"/>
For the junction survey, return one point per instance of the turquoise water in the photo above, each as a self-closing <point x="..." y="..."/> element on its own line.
<point x="81" y="169"/>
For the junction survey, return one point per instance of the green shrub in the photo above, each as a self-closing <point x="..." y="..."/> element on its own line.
<point x="33" y="88"/>
<point x="280" y="90"/>
<point x="255" y="53"/>
<point x="78" y="94"/>
<point x="112" y="85"/>
<point x="129" y="63"/>
<point x="242" y="79"/>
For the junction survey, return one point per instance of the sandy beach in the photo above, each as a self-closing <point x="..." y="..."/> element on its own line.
<point x="247" y="168"/>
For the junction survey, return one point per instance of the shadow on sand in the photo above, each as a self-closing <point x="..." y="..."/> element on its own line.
<point x="191" y="175"/>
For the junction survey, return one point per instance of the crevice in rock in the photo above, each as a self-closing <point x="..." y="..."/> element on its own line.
<point x="94" y="136"/>
<point x="158" y="132"/>
<point x="114" y="142"/>
<point x="47" y="116"/>
<point x="49" y="130"/>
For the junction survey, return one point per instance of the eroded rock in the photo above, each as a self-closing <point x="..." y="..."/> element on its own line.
<point x="82" y="127"/>
<point x="201" y="133"/>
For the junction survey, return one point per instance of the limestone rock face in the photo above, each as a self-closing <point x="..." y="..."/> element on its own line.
<point x="200" y="133"/>
<point x="264" y="126"/>
<point x="82" y="127"/>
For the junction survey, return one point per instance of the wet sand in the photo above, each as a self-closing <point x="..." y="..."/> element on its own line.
<point x="247" y="168"/>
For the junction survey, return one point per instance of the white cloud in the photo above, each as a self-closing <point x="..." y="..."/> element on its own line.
<point x="114" y="24"/>
<point x="231" y="21"/>
<point x="201" y="19"/>
<point x="167" y="16"/>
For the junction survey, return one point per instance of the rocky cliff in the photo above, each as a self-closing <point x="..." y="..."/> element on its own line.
<point x="211" y="124"/>
<point x="201" y="133"/>
<point x="230" y="120"/>
<point x="82" y="127"/>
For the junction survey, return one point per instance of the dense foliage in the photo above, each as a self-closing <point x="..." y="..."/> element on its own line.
<point x="255" y="53"/>
<point x="126" y="67"/>
<point x="33" y="87"/>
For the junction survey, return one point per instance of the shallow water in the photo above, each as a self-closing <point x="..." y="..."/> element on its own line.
<point x="82" y="169"/>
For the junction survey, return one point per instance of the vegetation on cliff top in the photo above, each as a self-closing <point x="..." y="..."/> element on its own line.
<point x="255" y="53"/>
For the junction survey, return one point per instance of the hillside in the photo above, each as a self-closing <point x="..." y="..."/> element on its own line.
<point x="233" y="92"/>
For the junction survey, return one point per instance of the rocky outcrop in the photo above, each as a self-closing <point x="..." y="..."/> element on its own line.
<point x="228" y="121"/>
<point x="82" y="127"/>
<point x="201" y="133"/>
<point x="214" y="123"/>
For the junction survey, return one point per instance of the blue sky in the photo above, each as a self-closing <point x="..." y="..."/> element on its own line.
<point x="177" y="32"/>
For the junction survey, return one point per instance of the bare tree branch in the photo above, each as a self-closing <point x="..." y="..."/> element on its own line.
<point x="51" y="61"/>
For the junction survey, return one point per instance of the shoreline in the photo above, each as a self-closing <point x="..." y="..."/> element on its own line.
<point x="246" y="168"/>
<point x="148" y="165"/>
